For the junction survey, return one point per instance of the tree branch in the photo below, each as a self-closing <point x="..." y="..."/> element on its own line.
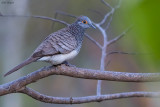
<point x="66" y="14"/>
<point x="93" y="40"/>
<point x="118" y="52"/>
<point x="18" y="84"/>
<point x="105" y="39"/>
<point x="118" y="37"/>
<point x="105" y="3"/>
<point x="41" y="17"/>
<point x="78" y="100"/>
<point x="110" y="13"/>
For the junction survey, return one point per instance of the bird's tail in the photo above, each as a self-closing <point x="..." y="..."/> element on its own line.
<point x="26" y="62"/>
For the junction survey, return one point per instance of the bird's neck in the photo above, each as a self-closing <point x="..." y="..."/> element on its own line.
<point x="77" y="31"/>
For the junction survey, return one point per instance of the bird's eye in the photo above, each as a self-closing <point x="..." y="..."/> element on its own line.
<point x="84" y="21"/>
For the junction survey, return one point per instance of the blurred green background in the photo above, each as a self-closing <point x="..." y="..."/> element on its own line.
<point x="19" y="36"/>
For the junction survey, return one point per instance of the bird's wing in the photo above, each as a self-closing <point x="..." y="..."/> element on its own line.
<point x="60" y="42"/>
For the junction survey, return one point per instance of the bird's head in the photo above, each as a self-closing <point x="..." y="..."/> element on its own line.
<point x="85" y="22"/>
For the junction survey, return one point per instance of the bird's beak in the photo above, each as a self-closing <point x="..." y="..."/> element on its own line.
<point x="91" y="25"/>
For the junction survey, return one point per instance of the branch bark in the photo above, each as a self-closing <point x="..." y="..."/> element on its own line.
<point x="78" y="100"/>
<point x="17" y="85"/>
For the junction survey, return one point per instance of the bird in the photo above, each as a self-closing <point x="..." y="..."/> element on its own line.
<point x="59" y="46"/>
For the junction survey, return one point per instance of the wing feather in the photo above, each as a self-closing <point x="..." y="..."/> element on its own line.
<point x="60" y="42"/>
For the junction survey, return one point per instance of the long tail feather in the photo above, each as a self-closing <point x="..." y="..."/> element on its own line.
<point x="26" y="62"/>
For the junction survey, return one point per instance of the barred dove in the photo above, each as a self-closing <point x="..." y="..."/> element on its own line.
<point x="59" y="46"/>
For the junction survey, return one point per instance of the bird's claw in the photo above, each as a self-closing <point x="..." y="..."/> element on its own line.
<point x="68" y="64"/>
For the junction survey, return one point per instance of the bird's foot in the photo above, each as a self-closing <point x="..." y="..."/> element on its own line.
<point x="68" y="64"/>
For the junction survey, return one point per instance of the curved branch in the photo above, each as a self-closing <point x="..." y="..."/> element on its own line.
<point x="41" y="17"/>
<point x="78" y="100"/>
<point x="66" y="14"/>
<point x="18" y="84"/>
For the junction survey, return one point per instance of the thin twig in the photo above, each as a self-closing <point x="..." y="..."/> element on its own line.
<point x="109" y="14"/>
<point x="55" y="17"/>
<point x="48" y="18"/>
<point x="118" y="52"/>
<point x="109" y="22"/>
<point x="118" y="37"/>
<point x="108" y="5"/>
<point x="105" y="18"/>
<point x="66" y="14"/>
<point x="41" y="17"/>
<point x="112" y="12"/>
<point x="93" y="40"/>
<point x="118" y="5"/>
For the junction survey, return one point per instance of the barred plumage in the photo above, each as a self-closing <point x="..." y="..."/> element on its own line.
<point x="59" y="46"/>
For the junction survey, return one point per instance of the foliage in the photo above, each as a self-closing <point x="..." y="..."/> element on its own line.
<point x="145" y="15"/>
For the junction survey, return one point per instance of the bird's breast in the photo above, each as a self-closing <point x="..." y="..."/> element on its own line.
<point x="59" y="58"/>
